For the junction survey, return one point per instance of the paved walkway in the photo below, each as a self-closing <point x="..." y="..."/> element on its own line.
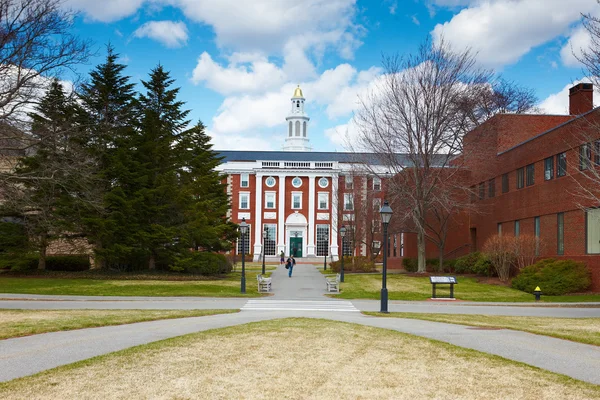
<point x="299" y="296"/>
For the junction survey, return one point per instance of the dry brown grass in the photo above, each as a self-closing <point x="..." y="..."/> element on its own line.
<point x="14" y="323"/>
<point x="583" y="330"/>
<point x="298" y="359"/>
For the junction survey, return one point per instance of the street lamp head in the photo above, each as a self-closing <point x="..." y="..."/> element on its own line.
<point x="343" y="231"/>
<point x="243" y="226"/>
<point x="386" y="213"/>
<point x="265" y="232"/>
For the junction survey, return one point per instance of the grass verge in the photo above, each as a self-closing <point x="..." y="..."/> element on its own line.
<point x="583" y="330"/>
<point x="15" y="323"/>
<point x="136" y="285"/>
<point x="298" y="358"/>
<point x="403" y="287"/>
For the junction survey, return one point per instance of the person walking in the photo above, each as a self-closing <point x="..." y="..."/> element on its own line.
<point x="281" y="258"/>
<point x="289" y="265"/>
<point x="293" y="265"/>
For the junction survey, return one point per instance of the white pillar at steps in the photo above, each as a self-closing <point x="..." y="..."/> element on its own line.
<point x="258" y="218"/>
<point x="311" y="217"/>
<point x="281" y="216"/>
<point x="335" y="200"/>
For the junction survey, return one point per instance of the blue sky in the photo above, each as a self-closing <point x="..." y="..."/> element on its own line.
<point x="237" y="61"/>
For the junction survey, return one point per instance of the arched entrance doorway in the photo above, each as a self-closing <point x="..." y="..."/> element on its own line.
<point x="295" y="234"/>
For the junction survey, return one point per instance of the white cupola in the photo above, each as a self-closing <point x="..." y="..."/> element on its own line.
<point x="297" y="122"/>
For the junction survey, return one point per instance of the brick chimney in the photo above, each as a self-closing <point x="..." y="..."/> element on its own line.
<point x="581" y="98"/>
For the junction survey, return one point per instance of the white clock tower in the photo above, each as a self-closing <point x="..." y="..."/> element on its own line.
<point x="297" y="136"/>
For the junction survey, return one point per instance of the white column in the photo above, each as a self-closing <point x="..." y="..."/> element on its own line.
<point x="281" y="214"/>
<point x="311" y="217"/>
<point x="258" y="218"/>
<point x="334" y="216"/>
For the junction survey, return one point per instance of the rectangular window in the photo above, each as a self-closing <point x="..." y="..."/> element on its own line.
<point x="530" y="174"/>
<point x="492" y="188"/>
<point x="244" y="201"/>
<point x="517" y="228"/>
<point x="593" y="231"/>
<point x="349" y="182"/>
<point x="245" y="241"/>
<point x="322" y="240"/>
<point x="347" y="245"/>
<point x="376" y="223"/>
<point x="376" y="184"/>
<point x="481" y="191"/>
<point x="560" y="234"/>
<point x="323" y="201"/>
<point x="585" y="156"/>
<point x="499" y="228"/>
<point x="561" y="164"/>
<point x="244" y="180"/>
<point x="505" y="183"/>
<point x="549" y="168"/>
<point x="270" y="242"/>
<point x="348" y="202"/>
<point x="597" y="152"/>
<point x="296" y="201"/>
<point x="536" y="232"/>
<point x="270" y="200"/>
<point x="520" y="178"/>
<point x="376" y="205"/>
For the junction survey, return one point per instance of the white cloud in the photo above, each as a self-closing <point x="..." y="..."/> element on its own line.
<point x="106" y="10"/>
<point x="246" y="73"/>
<point x="223" y="141"/>
<point x="171" y="34"/>
<point x="558" y="103"/>
<point x="502" y="31"/>
<point x="580" y="40"/>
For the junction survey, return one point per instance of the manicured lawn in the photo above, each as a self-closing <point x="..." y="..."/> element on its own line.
<point x="403" y="287"/>
<point x="228" y="286"/>
<point x="14" y="323"/>
<point x="583" y="330"/>
<point x="298" y="359"/>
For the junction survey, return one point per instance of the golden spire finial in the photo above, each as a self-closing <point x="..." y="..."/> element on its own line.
<point x="298" y="92"/>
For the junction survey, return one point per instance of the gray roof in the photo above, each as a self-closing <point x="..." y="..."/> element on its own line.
<point x="249" y="155"/>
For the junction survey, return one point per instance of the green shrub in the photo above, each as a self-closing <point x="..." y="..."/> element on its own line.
<point x="68" y="263"/>
<point x="449" y="265"/>
<point x="19" y="262"/>
<point x="466" y="263"/>
<point x="554" y="277"/>
<point x="483" y="266"/>
<point x="410" y="264"/>
<point x="12" y="237"/>
<point x="361" y="264"/>
<point x="202" y="263"/>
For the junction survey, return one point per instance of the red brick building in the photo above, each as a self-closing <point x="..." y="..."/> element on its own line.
<point x="527" y="172"/>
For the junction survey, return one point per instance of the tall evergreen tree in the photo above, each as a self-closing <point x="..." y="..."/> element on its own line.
<point x="48" y="181"/>
<point x="162" y="121"/>
<point x="110" y="112"/>
<point x="205" y="200"/>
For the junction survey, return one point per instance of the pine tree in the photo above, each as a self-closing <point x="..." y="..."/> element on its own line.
<point x="110" y="117"/>
<point x="48" y="180"/>
<point x="206" y="201"/>
<point x="162" y="121"/>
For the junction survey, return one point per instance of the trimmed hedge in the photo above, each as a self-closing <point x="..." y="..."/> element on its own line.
<point x="554" y="277"/>
<point x="412" y="264"/>
<point x="361" y="264"/>
<point x="67" y="263"/>
<point x="203" y="263"/>
<point x="474" y="263"/>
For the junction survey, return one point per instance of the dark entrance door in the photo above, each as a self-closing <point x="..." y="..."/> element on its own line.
<point x="296" y="246"/>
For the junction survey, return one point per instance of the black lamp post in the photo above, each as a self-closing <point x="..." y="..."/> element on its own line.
<point x="265" y="236"/>
<point x="386" y="216"/>
<point x="243" y="231"/>
<point x="343" y="235"/>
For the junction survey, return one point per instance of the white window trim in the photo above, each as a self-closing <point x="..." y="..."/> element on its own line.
<point x="326" y="201"/>
<point x="292" y="198"/>
<point x="242" y="180"/>
<point x="377" y="204"/>
<point x="240" y="200"/>
<point x="349" y="182"/>
<point x="274" y="194"/>
<point x="348" y="195"/>
<point x="376" y="179"/>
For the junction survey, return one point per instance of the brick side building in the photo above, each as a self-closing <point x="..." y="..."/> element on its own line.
<point x="526" y="174"/>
